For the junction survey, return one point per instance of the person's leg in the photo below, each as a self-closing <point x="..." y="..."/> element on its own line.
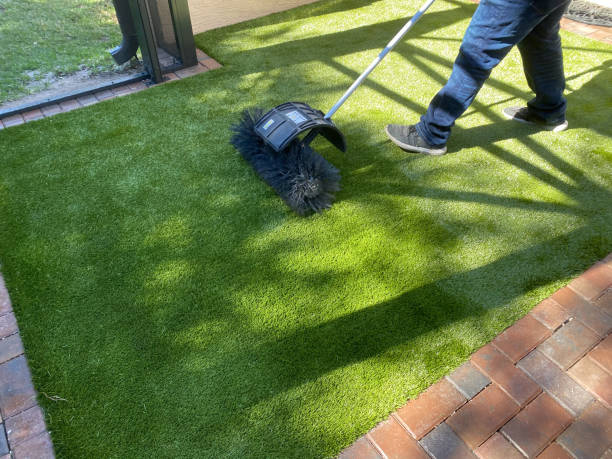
<point x="543" y="64"/>
<point x="496" y="26"/>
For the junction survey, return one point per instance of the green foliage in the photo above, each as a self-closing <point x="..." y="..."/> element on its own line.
<point x="182" y="311"/>
<point x="44" y="39"/>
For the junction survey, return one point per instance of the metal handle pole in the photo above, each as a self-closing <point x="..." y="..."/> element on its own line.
<point x="394" y="41"/>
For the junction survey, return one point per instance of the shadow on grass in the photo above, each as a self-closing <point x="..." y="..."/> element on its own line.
<point x="164" y="300"/>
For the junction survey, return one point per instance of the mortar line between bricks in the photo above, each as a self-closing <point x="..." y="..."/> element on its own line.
<point x="375" y="445"/>
<point x="403" y="425"/>
<point x="595" y="362"/>
<point x="509" y="439"/>
<point x="8" y="336"/>
<point x="561" y="444"/>
<point x="466" y="395"/>
<point x="584" y="297"/>
<point x="15" y="357"/>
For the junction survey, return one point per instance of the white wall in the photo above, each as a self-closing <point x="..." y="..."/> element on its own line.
<point x="210" y="14"/>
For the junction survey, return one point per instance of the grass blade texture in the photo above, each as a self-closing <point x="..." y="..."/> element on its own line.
<point x="181" y="310"/>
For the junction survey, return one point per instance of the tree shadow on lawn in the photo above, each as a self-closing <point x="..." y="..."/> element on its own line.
<point x="334" y="44"/>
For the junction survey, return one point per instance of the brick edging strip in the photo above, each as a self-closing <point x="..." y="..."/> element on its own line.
<point x="205" y="63"/>
<point x="23" y="432"/>
<point x="542" y="387"/>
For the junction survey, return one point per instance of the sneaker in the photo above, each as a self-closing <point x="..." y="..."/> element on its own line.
<point x="524" y="115"/>
<point x="407" y="138"/>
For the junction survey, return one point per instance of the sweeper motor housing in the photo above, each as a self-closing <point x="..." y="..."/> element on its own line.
<point x="282" y="124"/>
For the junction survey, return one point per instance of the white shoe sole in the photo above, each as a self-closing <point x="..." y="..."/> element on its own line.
<point x="553" y="128"/>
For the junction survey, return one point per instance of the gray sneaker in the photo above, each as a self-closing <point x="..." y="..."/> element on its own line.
<point x="407" y="138"/>
<point x="524" y="115"/>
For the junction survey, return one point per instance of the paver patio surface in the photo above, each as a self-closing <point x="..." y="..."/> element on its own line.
<point x="542" y="388"/>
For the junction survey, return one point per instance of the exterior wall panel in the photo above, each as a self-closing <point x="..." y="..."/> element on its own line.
<point x="211" y="14"/>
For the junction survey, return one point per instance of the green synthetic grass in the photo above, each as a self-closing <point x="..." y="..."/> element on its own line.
<point x="40" y="39"/>
<point x="180" y="310"/>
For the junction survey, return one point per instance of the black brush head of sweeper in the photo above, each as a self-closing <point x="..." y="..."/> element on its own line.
<point x="298" y="174"/>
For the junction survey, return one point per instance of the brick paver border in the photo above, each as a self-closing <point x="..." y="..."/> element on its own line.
<point x="23" y="433"/>
<point x="205" y="63"/>
<point x="542" y="388"/>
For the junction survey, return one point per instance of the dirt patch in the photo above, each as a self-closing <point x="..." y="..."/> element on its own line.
<point x="57" y="86"/>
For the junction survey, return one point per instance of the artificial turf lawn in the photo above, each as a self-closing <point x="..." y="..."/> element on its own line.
<point x="180" y="309"/>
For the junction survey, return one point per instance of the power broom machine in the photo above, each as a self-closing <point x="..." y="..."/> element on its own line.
<point x="270" y="142"/>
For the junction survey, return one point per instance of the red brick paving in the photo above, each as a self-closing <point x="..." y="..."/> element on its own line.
<point x="604" y="302"/>
<point x="444" y="442"/>
<point x="569" y="344"/>
<point x="468" y="380"/>
<point x="497" y="447"/>
<point x="205" y="63"/>
<point x="476" y="421"/>
<point x="362" y="449"/>
<point x="421" y="415"/>
<point x="555" y="451"/>
<point x="591" y="434"/>
<point x="502" y="372"/>
<point x="537" y="425"/>
<point x="593" y="282"/>
<point x="51" y="110"/>
<point x="589" y="314"/>
<point x="602" y="354"/>
<point x="32" y="115"/>
<point x="521" y="338"/>
<point x="547" y="389"/>
<point x="550" y="314"/>
<point x="23" y="433"/>
<point x="593" y="378"/>
<point x="389" y="436"/>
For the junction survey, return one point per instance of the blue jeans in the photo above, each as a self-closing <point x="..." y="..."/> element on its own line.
<point x="498" y="25"/>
